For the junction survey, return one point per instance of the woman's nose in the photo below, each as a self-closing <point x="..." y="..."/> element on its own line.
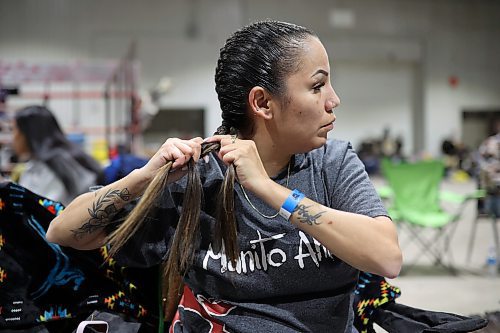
<point x="332" y="102"/>
<point x="335" y="99"/>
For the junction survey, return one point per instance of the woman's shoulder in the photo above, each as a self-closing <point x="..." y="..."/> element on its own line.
<point x="36" y="168"/>
<point x="39" y="178"/>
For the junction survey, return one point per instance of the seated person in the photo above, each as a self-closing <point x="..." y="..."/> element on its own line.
<point x="55" y="167"/>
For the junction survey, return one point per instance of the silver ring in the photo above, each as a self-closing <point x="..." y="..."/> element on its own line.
<point x="233" y="138"/>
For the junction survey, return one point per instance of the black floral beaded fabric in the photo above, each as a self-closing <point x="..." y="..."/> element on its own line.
<point x="42" y="283"/>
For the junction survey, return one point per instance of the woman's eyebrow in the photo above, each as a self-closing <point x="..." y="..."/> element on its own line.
<point x="320" y="71"/>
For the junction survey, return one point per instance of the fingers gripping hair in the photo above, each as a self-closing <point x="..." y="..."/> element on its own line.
<point x="186" y="236"/>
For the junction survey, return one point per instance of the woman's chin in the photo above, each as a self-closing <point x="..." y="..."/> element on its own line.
<point x="318" y="143"/>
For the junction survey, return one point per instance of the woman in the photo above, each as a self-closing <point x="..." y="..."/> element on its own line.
<point x="55" y="168"/>
<point x="298" y="252"/>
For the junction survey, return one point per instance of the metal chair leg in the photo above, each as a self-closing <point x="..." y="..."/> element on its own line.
<point x="435" y="247"/>
<point x="472" y="238"/>
<point x="495" y="237"/>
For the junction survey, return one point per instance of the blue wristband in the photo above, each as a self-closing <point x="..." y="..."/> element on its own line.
<point x="291" y="203"/>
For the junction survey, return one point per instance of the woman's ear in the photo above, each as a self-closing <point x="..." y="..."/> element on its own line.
<point x="259" y="102"/>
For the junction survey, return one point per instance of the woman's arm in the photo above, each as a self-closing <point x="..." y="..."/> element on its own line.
<point x="369" y="244"/>
<point x="83" y="222"/>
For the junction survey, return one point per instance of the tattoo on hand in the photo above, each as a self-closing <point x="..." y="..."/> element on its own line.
<point x="103" y="209"/>
<point x="305" y="217"/>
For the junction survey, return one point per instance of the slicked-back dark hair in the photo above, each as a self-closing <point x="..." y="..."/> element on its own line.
<point x="262" y="54"/>
<point x="47" y="143"/>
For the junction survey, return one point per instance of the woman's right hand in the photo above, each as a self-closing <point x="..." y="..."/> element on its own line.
<point x="83" y="222"/>
<point x="176" y="150"/>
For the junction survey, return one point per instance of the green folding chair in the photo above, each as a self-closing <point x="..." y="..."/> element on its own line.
<point x="414" y="189"/>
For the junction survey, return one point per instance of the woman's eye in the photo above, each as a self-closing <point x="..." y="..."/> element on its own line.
<point x="317" y="87"/>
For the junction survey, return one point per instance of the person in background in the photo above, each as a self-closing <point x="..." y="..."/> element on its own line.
<point x="306" y="216"/>
<point x="489" y="170"/>
<point x="54" y="167"/>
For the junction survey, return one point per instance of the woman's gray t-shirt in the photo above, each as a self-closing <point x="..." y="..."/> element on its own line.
<point x="284" y="280"/>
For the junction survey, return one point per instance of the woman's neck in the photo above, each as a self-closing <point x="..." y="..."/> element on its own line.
<point x="273" y="157"/>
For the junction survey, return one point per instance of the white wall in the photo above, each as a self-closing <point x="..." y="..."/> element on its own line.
<point x="473" y="55"/>
<point x="387" y="105"/>
<point x="181" y="38"/>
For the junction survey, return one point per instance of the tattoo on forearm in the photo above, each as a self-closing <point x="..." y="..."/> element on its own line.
<point x="305" y="217"/>
<point x="102" y="211"/>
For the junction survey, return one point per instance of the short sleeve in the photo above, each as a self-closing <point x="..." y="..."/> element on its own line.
<point x="353" y="190"/>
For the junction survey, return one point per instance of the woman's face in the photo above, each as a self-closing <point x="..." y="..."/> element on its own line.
<point x="305" y="116"/>
<point x="19" y="142"/>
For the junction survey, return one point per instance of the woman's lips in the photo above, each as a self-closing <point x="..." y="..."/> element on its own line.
<point x="328" y="126"/>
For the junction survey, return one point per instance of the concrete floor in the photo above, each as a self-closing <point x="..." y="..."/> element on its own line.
<point x="472" y="290"/>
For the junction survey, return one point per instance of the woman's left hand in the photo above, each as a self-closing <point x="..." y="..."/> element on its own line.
<point x="244" y="156"/>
